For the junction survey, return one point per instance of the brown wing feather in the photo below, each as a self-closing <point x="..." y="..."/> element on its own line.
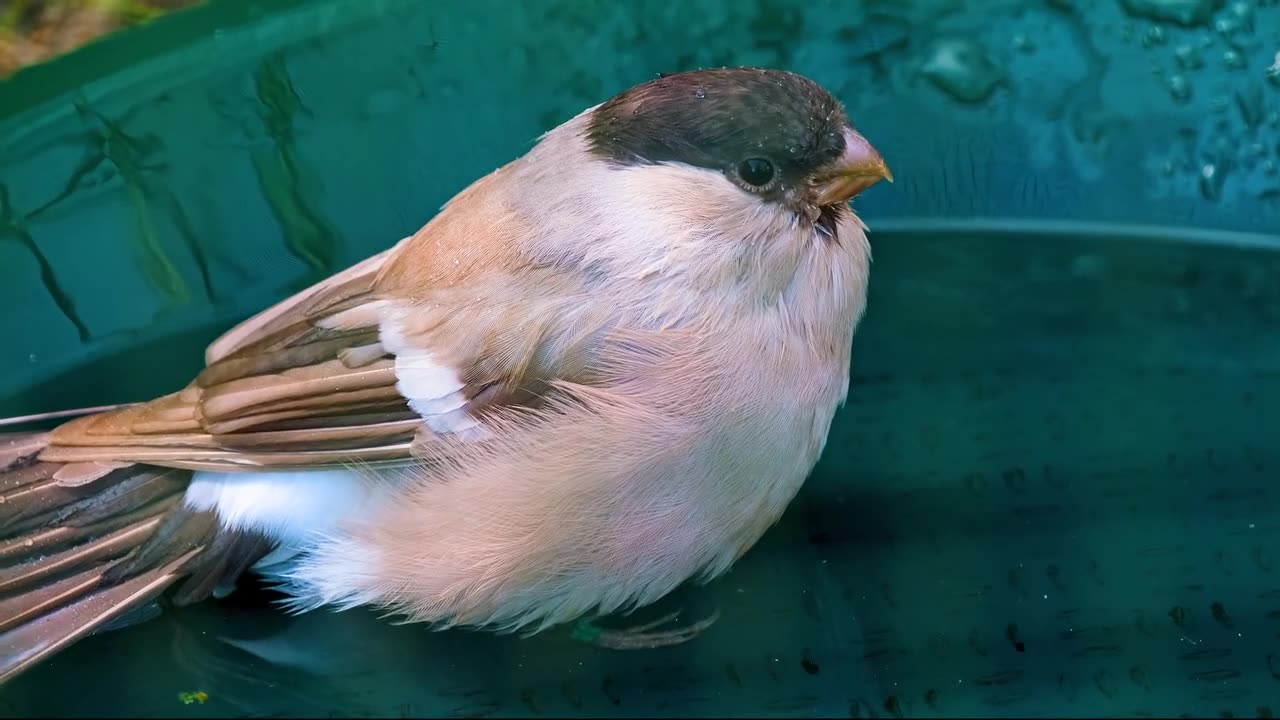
<point x="75" y="558"/>
<point x="354" y="281"/>
<point x="303" y="384"/>
<point x="308" y="384"/>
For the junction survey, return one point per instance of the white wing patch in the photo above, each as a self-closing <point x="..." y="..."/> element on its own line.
<point x="434" y="390"/>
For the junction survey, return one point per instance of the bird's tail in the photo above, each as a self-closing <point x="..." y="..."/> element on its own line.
<point x="87" y="546"/>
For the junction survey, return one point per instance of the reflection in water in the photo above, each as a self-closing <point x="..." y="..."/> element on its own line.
<point x="131" y="158"/>
<point x="137" y="161"/>
<point x="109" y="153"/>
<point x="288" y="185"/>
<point x="231" y="676"/>
<point x="12" y="227"/>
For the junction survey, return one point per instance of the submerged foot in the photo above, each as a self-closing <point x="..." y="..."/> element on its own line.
<point x="642" y="637"/>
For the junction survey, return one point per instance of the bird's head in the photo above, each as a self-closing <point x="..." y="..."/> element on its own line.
<point x="778" y="137"/>
<point x="729" y="181"/>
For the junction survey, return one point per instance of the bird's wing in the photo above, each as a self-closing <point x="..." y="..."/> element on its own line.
<point x="386" y="362"/>
<point x="316" y="380"/>
<point x="285" y="388"/>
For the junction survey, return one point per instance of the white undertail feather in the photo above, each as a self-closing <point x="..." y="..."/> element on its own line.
<point x="295" y="508"/>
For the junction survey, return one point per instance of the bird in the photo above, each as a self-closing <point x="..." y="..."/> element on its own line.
<point x="597" y="373"/>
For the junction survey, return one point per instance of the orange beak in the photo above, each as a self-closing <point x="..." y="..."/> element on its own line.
<point x="858" y="168"/>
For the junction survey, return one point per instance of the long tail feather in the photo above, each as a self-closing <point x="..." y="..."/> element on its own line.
<point x="80" y="555"/>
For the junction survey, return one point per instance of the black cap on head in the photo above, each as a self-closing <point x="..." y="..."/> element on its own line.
<point x="727" y="120"/>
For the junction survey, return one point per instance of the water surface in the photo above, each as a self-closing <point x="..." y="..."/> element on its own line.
<point x="1051" y="491"/>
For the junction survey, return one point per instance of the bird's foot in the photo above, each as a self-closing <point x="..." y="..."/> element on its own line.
<point x="642" y="637"/>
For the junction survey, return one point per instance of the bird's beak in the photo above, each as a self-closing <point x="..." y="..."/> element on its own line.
<point x="857" y="169"/>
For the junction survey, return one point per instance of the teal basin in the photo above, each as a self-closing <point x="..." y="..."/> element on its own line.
<point x="1051" y="493"/>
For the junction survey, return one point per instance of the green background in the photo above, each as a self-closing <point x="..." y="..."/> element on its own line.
<point x="1061" y="433"/>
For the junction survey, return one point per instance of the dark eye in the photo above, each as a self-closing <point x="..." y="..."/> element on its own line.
<point x="756" y="171"/>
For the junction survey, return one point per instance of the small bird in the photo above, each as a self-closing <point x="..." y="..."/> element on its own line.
<point x="599" y="372"/>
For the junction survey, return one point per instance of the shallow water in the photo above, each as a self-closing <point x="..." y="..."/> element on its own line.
<point x="1051" y="491"/>
<point x="1054" y="506"/>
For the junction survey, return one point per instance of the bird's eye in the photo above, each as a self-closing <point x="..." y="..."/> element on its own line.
<point x="756" y="172"/>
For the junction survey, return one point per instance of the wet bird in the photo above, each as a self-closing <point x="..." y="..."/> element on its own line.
<point x="599" y="372"/>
